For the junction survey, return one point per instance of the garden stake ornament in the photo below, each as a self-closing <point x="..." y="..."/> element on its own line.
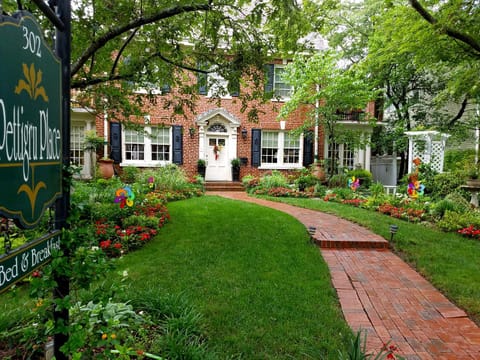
<point x="415" y="187"/>
<point x="353" y="183"/>
<point x="124" y="196"/>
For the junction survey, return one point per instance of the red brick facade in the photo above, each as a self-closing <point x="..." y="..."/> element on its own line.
<point x="191" y="134"/>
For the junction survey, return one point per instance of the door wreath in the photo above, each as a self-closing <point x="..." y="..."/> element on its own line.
<point x="216" y="151"/>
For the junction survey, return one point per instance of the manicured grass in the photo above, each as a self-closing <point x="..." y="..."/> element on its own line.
<point x="449" y="261"/>
<point x="262" y="287"/>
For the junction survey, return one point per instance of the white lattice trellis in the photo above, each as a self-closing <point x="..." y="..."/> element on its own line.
<point x="428" y="146"/>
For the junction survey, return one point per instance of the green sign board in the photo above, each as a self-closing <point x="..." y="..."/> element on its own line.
<point x="30" y="121"/>
<point x="24" y="260"/>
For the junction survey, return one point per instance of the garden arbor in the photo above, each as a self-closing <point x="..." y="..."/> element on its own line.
<point x="428" y="146"/>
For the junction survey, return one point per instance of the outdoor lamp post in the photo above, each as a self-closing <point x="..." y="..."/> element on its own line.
<point x="393" y="231"/>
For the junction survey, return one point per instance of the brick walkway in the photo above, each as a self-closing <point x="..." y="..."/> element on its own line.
<point x="380" y="293"/>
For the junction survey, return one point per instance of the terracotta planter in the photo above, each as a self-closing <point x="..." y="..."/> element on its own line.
<point x="105" y="167"/>
<point x="319" y="172"/>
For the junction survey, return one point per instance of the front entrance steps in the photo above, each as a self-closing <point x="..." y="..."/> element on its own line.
<point x="223" y="186"/>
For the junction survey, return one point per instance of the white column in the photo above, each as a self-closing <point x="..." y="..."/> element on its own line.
<point x="105" y="133"/>
<point x="232" y="144"/>
<point x="410" y="154"/>
<point x="368" y="155"/>
<point x="201" y="142"/>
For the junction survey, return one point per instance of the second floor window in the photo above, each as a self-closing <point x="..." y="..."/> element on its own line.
<point x="276" y="84"/>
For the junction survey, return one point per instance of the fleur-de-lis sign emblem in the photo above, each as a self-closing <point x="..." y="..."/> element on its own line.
<point x="32" y="193"/>
<point x="32" y="83"/>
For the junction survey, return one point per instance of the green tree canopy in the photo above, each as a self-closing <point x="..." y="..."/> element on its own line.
<point x="148" y="44"/>
<point x="330" y="92"/>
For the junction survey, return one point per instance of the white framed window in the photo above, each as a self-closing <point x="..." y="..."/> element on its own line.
<point x="281" y="88"/>
<point x="343" y="155"/>
<point x="280" y="150"/>
<point x="148" y="147"/>
<point x="217" y="86"/>
<point x="77" y="141"/>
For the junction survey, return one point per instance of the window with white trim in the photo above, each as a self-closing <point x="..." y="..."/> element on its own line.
<point x="280" y="149"/>
<point x="152" y="145"/>
<point x="343" y="155"/>
<point x="281" y="88"/>
<point x="77" y="140"/>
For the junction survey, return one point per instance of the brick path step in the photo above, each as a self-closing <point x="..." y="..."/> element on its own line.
<point x="224" y="186"/>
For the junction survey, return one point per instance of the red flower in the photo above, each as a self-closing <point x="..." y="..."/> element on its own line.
<point x="105" y="244"/>
<point x="117" y="246"/>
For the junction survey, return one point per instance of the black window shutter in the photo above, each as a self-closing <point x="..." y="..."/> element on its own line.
<point x="165" y="89"/>
<point x="256" y="146"/>
<point x="177" y="133"/>
<point x="202" y="78"/>
<point x="116" y="142"/>
<point x="234" y="87"/>
<point x="269" y="73"/>
<point x="308" y="149"/>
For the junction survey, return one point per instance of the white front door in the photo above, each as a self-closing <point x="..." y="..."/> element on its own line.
<point x="218" y="167"/>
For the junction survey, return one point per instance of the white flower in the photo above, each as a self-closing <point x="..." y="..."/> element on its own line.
<point x="125" y="273"/>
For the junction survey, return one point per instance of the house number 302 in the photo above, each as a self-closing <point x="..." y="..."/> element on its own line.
<point x="32" y="42"/>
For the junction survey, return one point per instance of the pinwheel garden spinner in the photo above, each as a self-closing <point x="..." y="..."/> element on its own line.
<point x="124" y="196"/>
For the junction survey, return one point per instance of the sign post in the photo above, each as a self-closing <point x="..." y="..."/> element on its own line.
<point x="35" y="140"/>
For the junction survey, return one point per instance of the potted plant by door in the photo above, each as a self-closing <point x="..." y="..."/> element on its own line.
<point x="201" y="167"/>
<point x="235" y="169"/>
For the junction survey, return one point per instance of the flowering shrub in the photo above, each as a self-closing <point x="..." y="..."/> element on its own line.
<point x="410" y="214"/>
<point x="330" y="197"/>
<point x="471" y="231"/>
<point x="281" y="191"/>
<point x="134" y="237"/>
<point x="355" y="202"/>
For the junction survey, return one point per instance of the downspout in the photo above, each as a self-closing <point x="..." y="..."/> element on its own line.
<point x="105" y="133"/>
<point x="315" y="138"/>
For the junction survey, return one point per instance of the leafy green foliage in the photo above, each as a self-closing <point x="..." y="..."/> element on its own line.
<point x="365" y="177"/>
<point x="446" y="183"/>
<point x="143" y="45"/>
<point x="453" y="221"/>
<point x="273" y="180"/>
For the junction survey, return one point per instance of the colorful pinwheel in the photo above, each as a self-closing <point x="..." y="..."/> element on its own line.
<point x="124" y="196"/>
<point x="353" y="183"/>
<point x="415" y="189"/>
<point x="151" y="182"/>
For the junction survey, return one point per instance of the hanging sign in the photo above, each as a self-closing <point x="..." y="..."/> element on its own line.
<point x="30" y="121"/>
<point x="24" y="260"/>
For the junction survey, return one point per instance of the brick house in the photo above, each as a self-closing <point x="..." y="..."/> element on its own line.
<point x="218" y="132"/>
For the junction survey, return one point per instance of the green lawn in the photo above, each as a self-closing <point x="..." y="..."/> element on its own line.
<point x="262" y="287"/>
<point x="449" y="261"/>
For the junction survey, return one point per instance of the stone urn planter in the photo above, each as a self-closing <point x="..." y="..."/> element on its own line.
<point x="474" y="183"/>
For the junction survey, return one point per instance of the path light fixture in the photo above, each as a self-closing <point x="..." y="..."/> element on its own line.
<point x="311" y="230"/>
<point x="393" y="231"/>
<point x="244" y="134"/>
